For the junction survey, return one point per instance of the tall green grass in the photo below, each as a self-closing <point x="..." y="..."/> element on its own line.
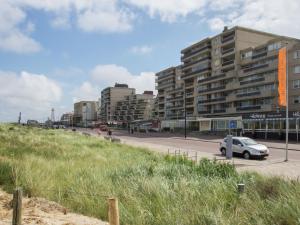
<point x="79" y="172"/>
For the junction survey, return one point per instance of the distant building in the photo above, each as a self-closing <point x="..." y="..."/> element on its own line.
<point x="134" y="107"/>
<point x="67" y="119"/>
<point x="85" y="112"/>
<point x="109" y="98"/>
<point x="32" y="122"/>
<point x="170" y="93"/>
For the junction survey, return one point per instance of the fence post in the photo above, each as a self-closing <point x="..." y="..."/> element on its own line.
<point x="113" y="211"/>
<point x="17" y="207"/>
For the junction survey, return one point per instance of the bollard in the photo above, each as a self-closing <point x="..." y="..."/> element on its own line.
<point x="113" y="211"/>
<point x="241" y="188"/>
<point x="17" y="207"/>
<point x="229" y="147"/>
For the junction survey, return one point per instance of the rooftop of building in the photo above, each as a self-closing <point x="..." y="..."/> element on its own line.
<point x="228" y="30"/>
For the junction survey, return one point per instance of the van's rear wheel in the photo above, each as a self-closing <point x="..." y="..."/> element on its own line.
<point x="223" y="151"/>
<point x="246" y="155"/>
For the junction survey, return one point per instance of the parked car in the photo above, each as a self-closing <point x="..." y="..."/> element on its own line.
<point x="246" y="147"/>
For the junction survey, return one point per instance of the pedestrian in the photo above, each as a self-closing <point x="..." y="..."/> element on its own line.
<point x="109" y="132"/>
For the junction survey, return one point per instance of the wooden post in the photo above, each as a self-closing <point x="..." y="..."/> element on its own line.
<point x="113" y="211"/>
<point x="241" y="188"/>
<point x="17" y="207"/>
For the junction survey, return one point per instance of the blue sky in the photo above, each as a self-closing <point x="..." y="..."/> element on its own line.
<point x="55" y="52"/>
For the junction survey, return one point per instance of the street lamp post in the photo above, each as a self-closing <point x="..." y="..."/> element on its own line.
<point x="184" y="112"/>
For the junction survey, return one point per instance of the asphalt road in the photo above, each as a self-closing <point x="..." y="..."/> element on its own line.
<point x="205" y="144"/>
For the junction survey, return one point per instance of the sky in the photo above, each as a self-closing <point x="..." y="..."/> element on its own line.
<point x="56" y="52"/>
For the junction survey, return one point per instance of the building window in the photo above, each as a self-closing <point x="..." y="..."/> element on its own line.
<point x="297" y="69"/>
<point x="274" y="46"/>
<point x="246" y="55"/>
<point x="296" y="99"/>
<point x="297" y="54"/>
<point x="296" y="83"/>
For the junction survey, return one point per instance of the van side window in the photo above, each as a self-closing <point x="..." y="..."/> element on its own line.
<point x="236" y="142"/>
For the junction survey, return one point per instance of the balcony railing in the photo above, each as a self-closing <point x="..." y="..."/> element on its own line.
<point x="212" y="89"/>
<point x="227" y="63"/>
<point x="228" y="38"/>
<point x="212" y="78"/>
<point x="255" y="68"/>
<point x="259" y="55"/>
<point x="212" y="100"/>
<point x="249" y="94"/>
<point x="188" y="54"/>
<point x="252" y="81"/>
<point x="245" y="108"/>
<point x="188" y="73"/>
<point x="186" y="64"/>
<point x="227" y="51"/>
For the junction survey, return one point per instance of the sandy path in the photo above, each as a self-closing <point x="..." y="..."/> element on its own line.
<point x="42" y="212"/>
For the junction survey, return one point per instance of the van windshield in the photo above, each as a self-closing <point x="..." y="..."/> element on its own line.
<point x="249" y="141"/>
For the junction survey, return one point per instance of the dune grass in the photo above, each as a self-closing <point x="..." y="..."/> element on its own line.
<point x="79" y="172"/>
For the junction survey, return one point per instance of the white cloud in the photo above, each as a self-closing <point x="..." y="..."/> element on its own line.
<point x="141" y="50"/>
<point x="106" y="20"/>
<point x="86" y="92"/>
<point x="32" y="94"/>
<point x="93" y="15"/>
<point x="169" y="10"/>
<point x="12" y="38"/>
<point x="278" y="16"/>
<point x="108" y="75"/>
<point x="216" y="24"/>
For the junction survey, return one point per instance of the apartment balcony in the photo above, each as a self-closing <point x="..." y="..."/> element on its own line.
<point x="189" y="104"/>
<point x="222" y="87"/>
<point x="261" y="79"/>
<point x="165" y="85"/>
<point x="250" y="94"/>
<point x="213" y="100"/>
<point x="190" y="63"/>
<point x="205" y="48"/>
<point x="179" y="98"/>
<point x="189" y="85"/>
<point x="226" y="39"/>
<point x="228" y="63"/>
<point x="189" y="94"/>
<point x="188" y="74"/>
<point x="227" y="52"/>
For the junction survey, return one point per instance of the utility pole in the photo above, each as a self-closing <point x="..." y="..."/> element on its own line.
<point x="20" y="117"/>
<point x="52" y="115"/>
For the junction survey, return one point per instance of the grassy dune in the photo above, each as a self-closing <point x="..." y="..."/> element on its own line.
<point x="79" y="171"/>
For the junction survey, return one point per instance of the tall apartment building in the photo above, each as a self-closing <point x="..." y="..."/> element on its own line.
<point x="234" y="75"/>
<point x="170" y="93"/>
<point x="134" y="107"/>
<point x="85" y="112"/>
<point x="109" y="98"/>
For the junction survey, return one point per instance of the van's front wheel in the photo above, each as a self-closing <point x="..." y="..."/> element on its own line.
<point x="246" y="155"/>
